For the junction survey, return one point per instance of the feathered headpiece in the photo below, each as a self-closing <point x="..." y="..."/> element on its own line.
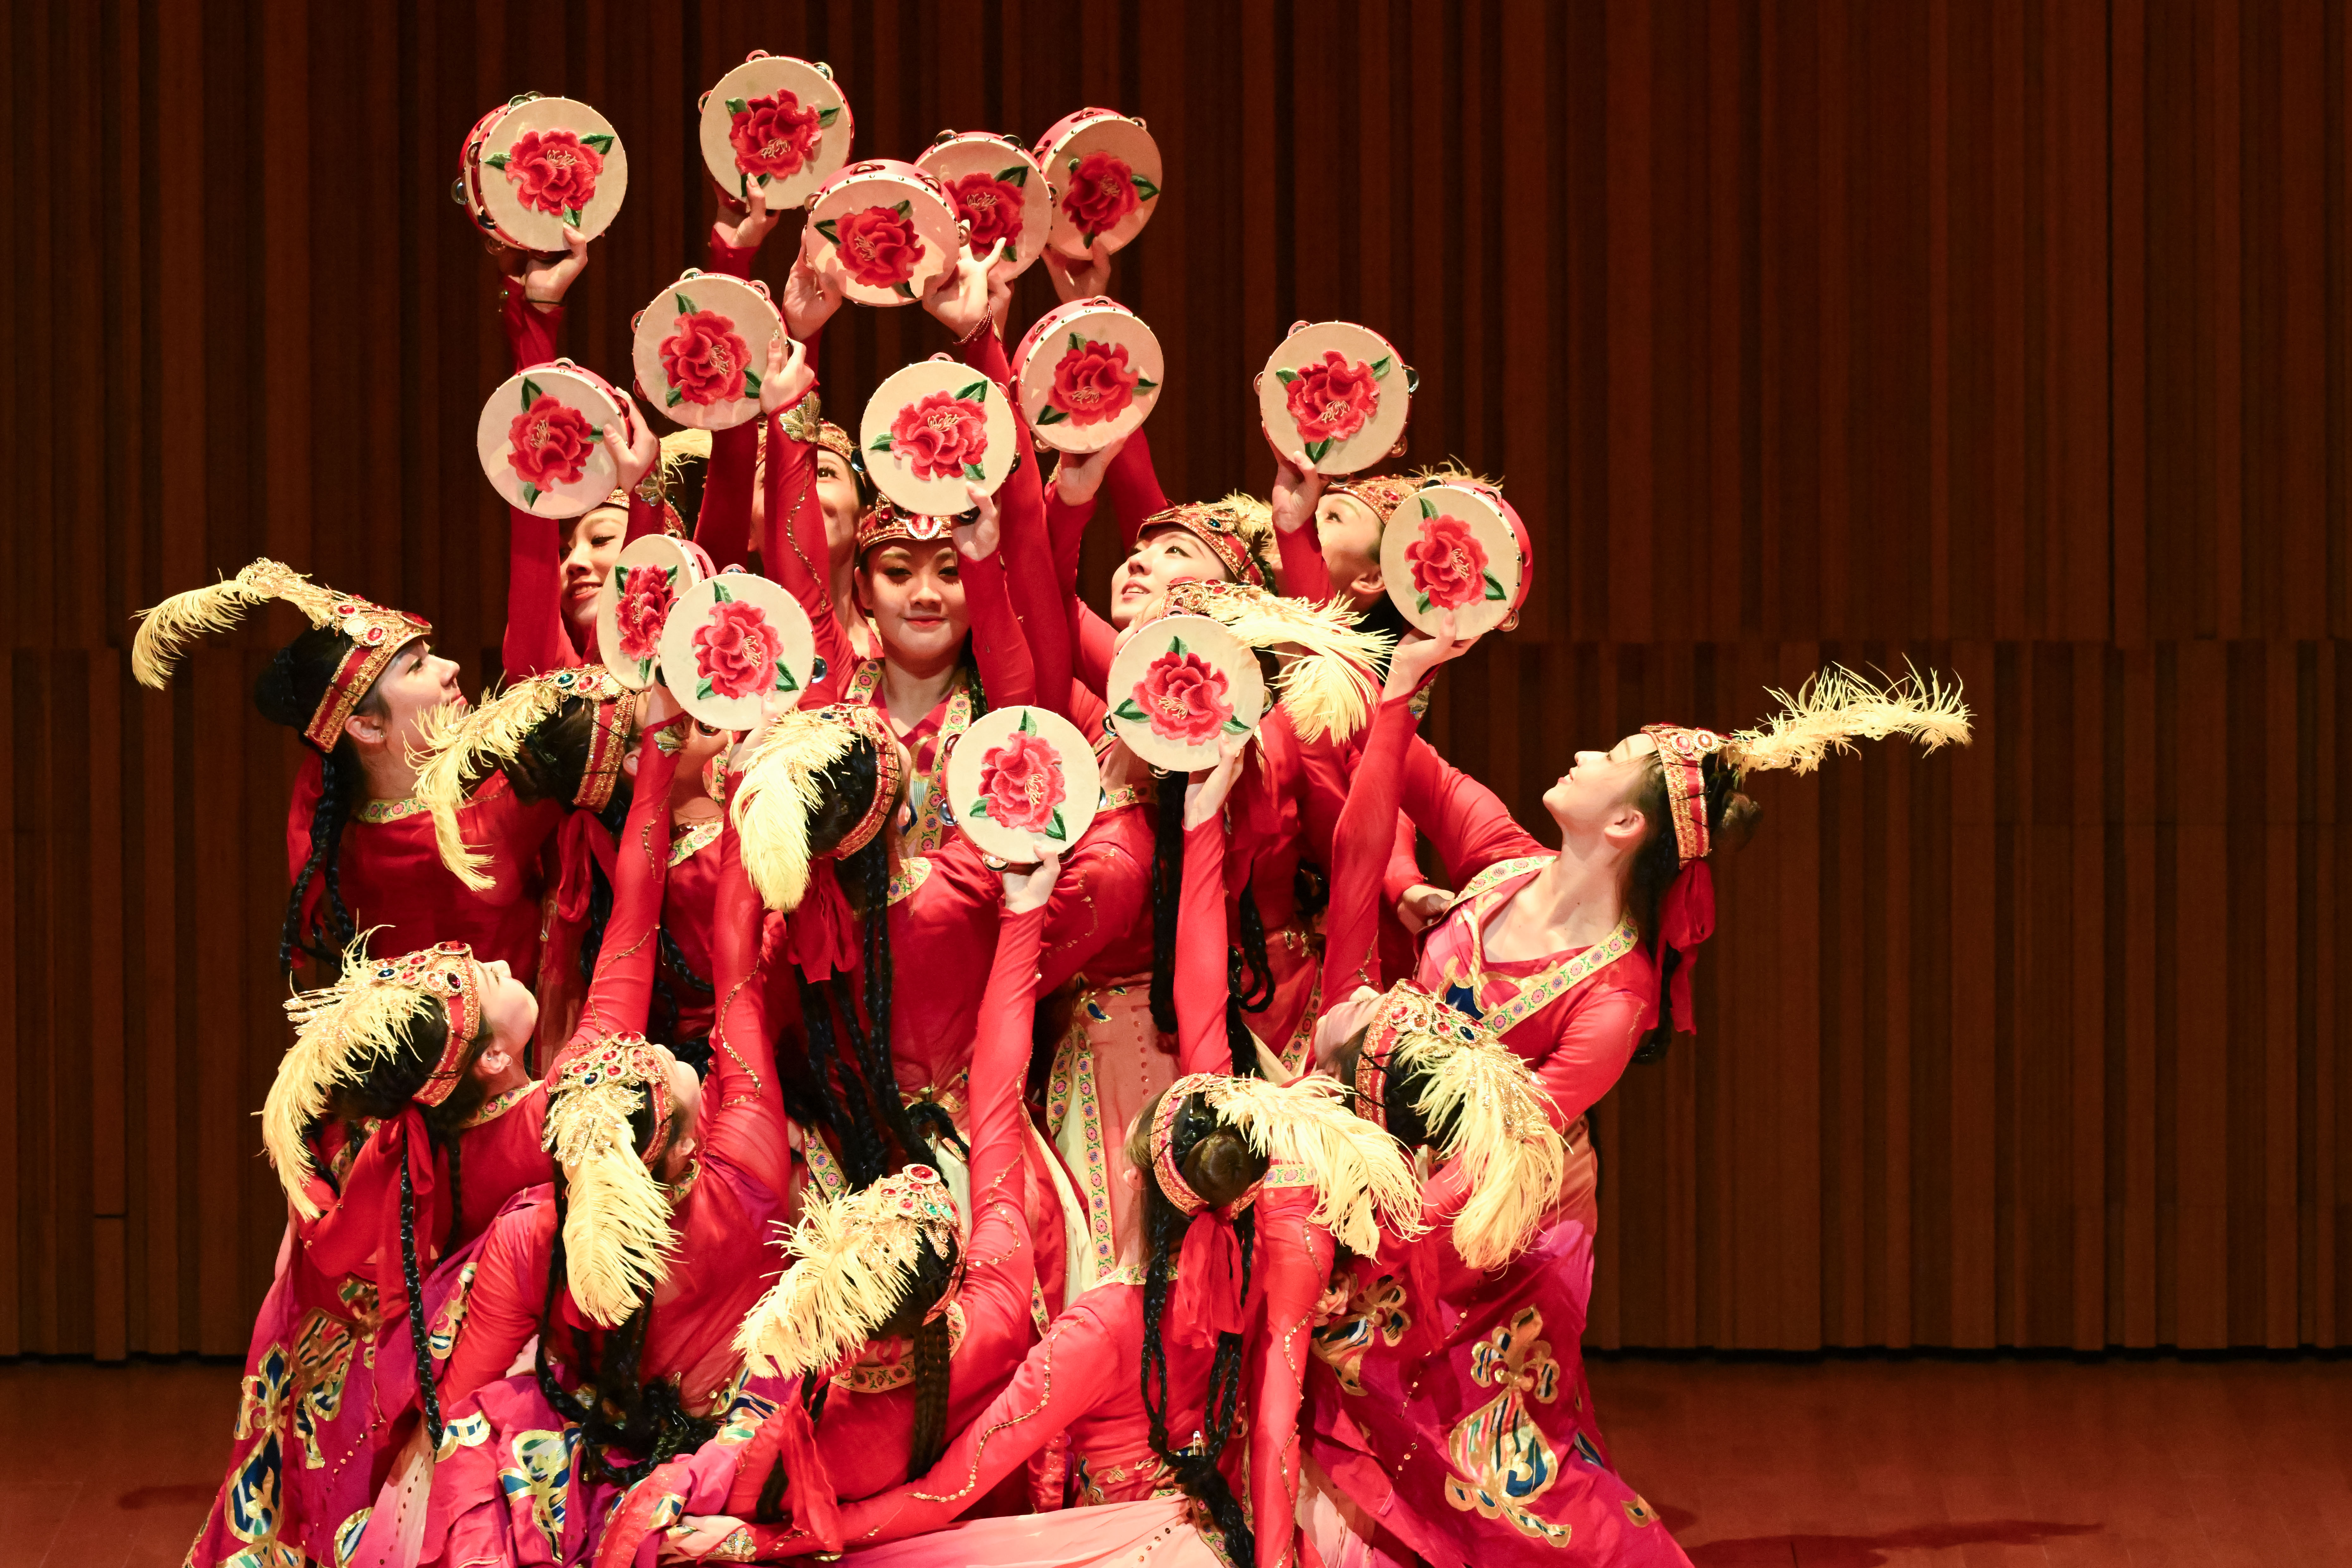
<point x="1309" y="1135"/>
<point x="1489" y="1106"/>
<point x="618" y="1239"/>
<point x="677" y="448"/>
<point x="374" y="632"/>
<point x="783" y="785"/>
<point x="343" y="1030"/>
<point x="456" y="746"/>
<point x="1237" y="531"/>
<point x="855" y="1260"/>
<point x="1327" y="682"/>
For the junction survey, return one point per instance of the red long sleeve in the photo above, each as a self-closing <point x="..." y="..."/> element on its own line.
<point x="1360" y="851"/>
<point x="1093" y="643"/>
<point x="1133" y="488"/>
<point x="535" y="639"/>
<point x="1470" y="825"/>
<point x="1299" y="558"/>
<point x="620" y="991"/>
<point x="502" y="1309"/>
<point x="1202" y="1045"/>
<point x="1038" y="598"/>
<point x="1000" y="1064"/>
<point x="745" y="1124"/>
<point x="998" y="648"/>
<point x="533" y="336"/>
<point x="723" y="527"/>
<point x="793" y="552"/>
<point x="1297" y="1256"/>
<point x="1065" y="529"/>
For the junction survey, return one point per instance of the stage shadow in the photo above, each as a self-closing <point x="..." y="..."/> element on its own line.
<point x="1870" y="1551"/>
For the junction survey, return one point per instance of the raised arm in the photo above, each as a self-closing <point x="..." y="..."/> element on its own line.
<point x="1000" y="1056"/>
<point x="502" y="1305"/>
<point x="1360" y="848"/>
<point x="746" y="1126"/>
<point x="724" y="525"/>
<point x="1467" y="822"/>
<point x="620" y="991"/>
<point x="1201" y="939"/>
<point x="1297" y="490"/>
<point x="1024" y="548"/>
<point x="1134" y="488"/>
<point x="1298" y="1254"/>
<point x="792" y="548"/>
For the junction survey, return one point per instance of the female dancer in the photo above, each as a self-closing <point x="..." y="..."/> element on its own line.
<point x="399" y="1123"/>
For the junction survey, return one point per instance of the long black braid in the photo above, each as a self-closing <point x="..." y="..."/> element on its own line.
<point x="1196" y="1469"/>
<point x="849" y="1113"/>
<point x="289" y="691"/>
<point x="411" y="1277"/>
<point x="933" y="1346"/>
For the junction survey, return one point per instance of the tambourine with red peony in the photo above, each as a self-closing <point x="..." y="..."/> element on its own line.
<point x="1456" y="546"/>
<point x="891" y="227"/>
<point x="534" y="165"/>
<point x="1178" y="687"/>
<point x="1104" y="169"/>
<point x="997" y="187"/>
<point x="1021" y="781"/>
<point x="1339" y="392"/>
<point x="633" y="606"/>
<point x="1088" y="372"/>
<point x="778" y="122"/>
<point x="730" y="643"/>
<point x="933" y="427"/>
<point x="701" y="347"/>
<point x="540" y="438"/>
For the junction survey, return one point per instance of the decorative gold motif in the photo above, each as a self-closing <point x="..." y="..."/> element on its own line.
<point x="1502" y="1463"/>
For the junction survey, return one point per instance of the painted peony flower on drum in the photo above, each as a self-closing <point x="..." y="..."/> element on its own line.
<point x="647" y="593"/>
<point x="549" y="443"/>
<point x="1330" y="398"/>
<point x="943" y="436"/>
<point x="772" y="135"/>
<point x="1183" y="697"/>
<point x="738" y="653"/>
<point x="1099" y="189"/>
<point x="1449" y="565"/>
<point x="1021" y="786"/>
<point x="554" y="171"/>
<point x="706" y="359"/>
<point x="1092" y="381"/>
<point x="877" y="245"/>
<point x="991" y="206"/>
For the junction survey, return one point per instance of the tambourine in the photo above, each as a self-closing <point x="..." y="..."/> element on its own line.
<point x="1178" y="687"/>
<point x="890" y="226"/>
<point x="932" y="427"/>
<point x="1339" y="391"/>
<point x="997" y="186"/>
<point x="534" y="164"/>
<point x="1456" y="546"/>
<point x="1105" y="170"/>
<point x="701" y="347"/>
<point x="732" y="640"/>
<point x="778" y="122"/>
<point x="542" y="443"/>
<point x="634" y="605"/>
<point x="1086" y="374"/>
<point x="1020" y="781"/>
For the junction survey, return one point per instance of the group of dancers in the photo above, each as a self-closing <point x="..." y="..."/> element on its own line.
<point x="697" y="1148"/>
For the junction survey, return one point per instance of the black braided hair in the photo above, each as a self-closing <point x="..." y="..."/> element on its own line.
<point x="929" y="1359"/>
<point x="1200" y="1144"/>
<point x="289" y="691"/>
<point x="1249" y="971"/>
<point x="1310" y="891"/>
<point x="410" y="1276"/>
<point x="1167" y="896"/>
<point x="1731" y="819"/>
<point x="614" y="818"/>
<point x="848" y="1107"/>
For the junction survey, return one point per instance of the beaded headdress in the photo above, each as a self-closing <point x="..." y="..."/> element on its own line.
<point x="783" y="786"/>
<point x="374" y="632"/>
<point x="854" y="1261"/>
<point x="1361" y="1176"/>
<point x="617" y="1239"/>
<point x="655" y="490"/>
<point x="1489" y="1105"/>
<point x="456" y="746"/>
<point x="1237" y="531"/>
<point x="342" y="1031"/>
<point x="883" y="524"/>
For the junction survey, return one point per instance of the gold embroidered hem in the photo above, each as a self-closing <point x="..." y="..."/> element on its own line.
<point x="498" y="1105"/>
<point x="877" y="1374"/>
<point x="683" y="847"/>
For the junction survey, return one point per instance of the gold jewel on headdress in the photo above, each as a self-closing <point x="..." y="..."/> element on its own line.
<point x="1327" y="682"/>
<point x="883" y="524"/>
<point x="342" y="1031"/>
<point x="617" y="1239"/>
<point x="783" y="785"/>
<point x="854" y="1261"/>
<point x="819" y="430"/>
<point x="677" y="448"/>
<point x="456" y="747"/>
<point x="374" y="632"/>
<point x="1237" y="531"/>
<point x="1489" y="1103"/>
<point x="1361" y="1176"/>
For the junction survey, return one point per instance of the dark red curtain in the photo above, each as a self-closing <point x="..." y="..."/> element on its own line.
<point x="2010" y="338"/>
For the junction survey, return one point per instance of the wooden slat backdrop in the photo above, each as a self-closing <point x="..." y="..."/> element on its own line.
<point x="2014" y="338"/>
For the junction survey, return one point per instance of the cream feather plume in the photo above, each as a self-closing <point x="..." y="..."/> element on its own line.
<point x="1498" y="1128"/>
<point x="782" y="788"/>
<point x="617" y="1236"/>
<point x="456" y="746"/>
<point x="1360" y="1175"/>
<point x="166" y="631"/>
<point x="1327" y="682"/>
<point x="1837" y="707"/>
<point x="854" y="1258"/>
<point x="340" y="1032"/>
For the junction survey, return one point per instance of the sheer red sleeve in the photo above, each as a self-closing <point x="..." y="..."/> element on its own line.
<point x="1025" y="549"/>
<point x="1589" y="1052"/>
<point x="535" y="639"/>
<point x="793" y="552"/>
<point x="620" y="991"/>
<point x="1000" y="1064"/>
<point x="502" y="1307"/>
<point x="1360" y="851"/>
<point x="1470" y="825"/>
<point x="1202" y="1045"/>
<point x="1133" y="488"/>
<point x="1299" y="556"/>
<point x="724" y="525"/>
<point x="1297" y="1266"/>
<point x="533" y="335"/>
<point x="746" y="1126"/>
<point x="1093" y="643"/>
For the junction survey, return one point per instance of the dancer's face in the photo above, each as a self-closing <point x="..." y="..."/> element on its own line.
<point x="592" y="545"/>
<point x="915" y="593"/>
<point x="1162" y="558"/>
<point x="1596" y="794"/>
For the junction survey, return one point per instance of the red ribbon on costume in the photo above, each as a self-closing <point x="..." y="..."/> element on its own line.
<point x="823" y="929"/>
<point x="1686" y="919"/>
<point x="405" y="1139"/>
<point x="580" y="843"/>
<point x="815" y="1508"/>
<point x="1208" y="1275"/>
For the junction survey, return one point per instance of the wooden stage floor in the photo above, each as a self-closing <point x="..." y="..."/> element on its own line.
<point x="1846" y="1463"/>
